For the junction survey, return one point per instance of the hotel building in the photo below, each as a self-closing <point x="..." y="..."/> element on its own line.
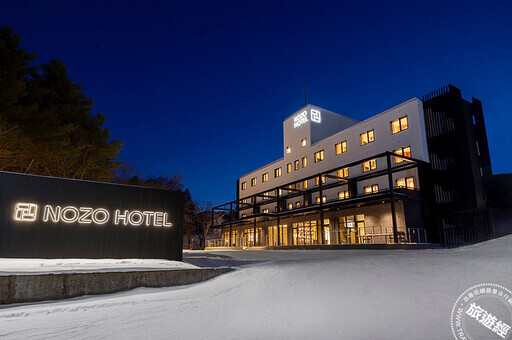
<point x="411" y="174"/>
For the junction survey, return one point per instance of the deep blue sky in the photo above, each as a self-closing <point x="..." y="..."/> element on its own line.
<point x="204" y="86"/>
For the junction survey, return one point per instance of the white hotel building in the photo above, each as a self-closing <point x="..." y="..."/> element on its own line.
<point x="340" y="181"/>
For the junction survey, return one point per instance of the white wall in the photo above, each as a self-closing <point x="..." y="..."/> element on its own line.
<point x="414" y="137"/>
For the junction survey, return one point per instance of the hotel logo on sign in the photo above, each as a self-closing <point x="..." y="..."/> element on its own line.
<point x="302" y="118"/>
<point x="27" y="212"/>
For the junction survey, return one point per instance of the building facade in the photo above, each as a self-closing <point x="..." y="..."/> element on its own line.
<point x="411" y="174"/>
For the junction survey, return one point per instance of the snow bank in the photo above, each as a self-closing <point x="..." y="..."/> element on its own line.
<point x="44" y="266"/>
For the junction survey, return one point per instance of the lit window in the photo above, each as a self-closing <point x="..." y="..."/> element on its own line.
<point x="405" y="151"/>
<point x="341" y="147"/>
<point x="289" y="167"/>
<point x="265" y="196"/>
<point x="296" y="164"/>
<point x="265" y="211"/>
<point x="343" y="173"/>
<point x="280" y="192"/>
<point x="304" y="142"/>
<point x="305" y="184"/>
<point x="370" y="165"/>
<point x="400" y="183"/>
<point x="297" y="186"/>
<point x="371" y="189"/>
<point x="244" y="215"/>
<point x="253" y="181"/>
<point x="367" y="137"/>
<point x="297" y="204"/>
<point x="410" y="183"/>
<point x="244" y="185"/>
<point x="288" y="149"/>
<point x="264" y="177"/>
<point x="278" y="172"/>
<point x="399" y="124"/>
<point x="304" y="162"/>
<point x="343" y="195"/>
<point x="317" y="180"/>
<point x="290" y="206"/>
<point x="324" y="199"/>
<point x="319" y="156"/>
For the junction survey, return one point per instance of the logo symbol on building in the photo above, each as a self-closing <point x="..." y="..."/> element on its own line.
<point x="25" y="212"/>
<point x="315" y="116"/>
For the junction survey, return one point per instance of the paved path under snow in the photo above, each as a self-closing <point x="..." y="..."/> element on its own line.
<point x="352" y="294"/>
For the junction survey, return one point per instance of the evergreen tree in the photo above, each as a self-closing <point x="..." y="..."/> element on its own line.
<point x="46" y="124"/>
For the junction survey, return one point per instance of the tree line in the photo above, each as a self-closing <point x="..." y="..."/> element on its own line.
<point x="47" y="127"/>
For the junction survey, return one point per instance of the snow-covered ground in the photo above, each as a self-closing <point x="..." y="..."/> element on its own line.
<point x="44" y="266"/>
<point x="339" y="294"/>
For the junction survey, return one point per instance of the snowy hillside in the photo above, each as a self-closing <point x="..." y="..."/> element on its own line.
<point x="348" y="294"/>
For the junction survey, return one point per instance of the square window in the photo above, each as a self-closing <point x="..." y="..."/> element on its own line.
<point x="367" y="137"/>
<point x="278" y="172"/>
<point x="319" y="156"/>
<point x="264" y="177"/>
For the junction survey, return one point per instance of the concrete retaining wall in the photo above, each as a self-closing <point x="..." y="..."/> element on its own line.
<point x="31" y="288"/>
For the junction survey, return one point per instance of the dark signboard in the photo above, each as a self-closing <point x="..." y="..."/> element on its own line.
<point x="47" y="217"/>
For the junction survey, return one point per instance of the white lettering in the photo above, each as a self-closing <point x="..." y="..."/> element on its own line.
<point x="147" y="215"/>
<point x="100" y="212"/>
<point x="300" y="119"/>
<point x="64" y="216"/>
<point x="166" y="221"/>
<point x="138" y="221"/>
<point x="84" y="218"/>
<point x="118" y="217"/>
<point x="54" y="215"/>
<point x="159" y="219"/>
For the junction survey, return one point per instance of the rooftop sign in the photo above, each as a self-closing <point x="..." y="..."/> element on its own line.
<point x="302" y="118"/>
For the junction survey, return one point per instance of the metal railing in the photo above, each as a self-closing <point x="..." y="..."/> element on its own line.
<point x="356" y="235"/>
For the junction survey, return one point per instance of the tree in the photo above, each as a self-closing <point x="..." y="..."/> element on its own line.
<point x="203" y="220"/>
<point x="188" y="224"/>
<point x="55" y="133"/>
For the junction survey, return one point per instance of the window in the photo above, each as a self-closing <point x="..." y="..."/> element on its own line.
<point x="370" y="165"/>
<point x="278" y="172"/>
<point x="280" y="191"/>
<point x="244" y="215"/>
<point x="304" y="162"/>
<point x="305" y="184"/>
<point x="367" y="137"/>
<point x="264" y="177"/>
<point x="265" y="211"/>
<point x="288" y="149"/>
<point x="304" y="142"/>
<point x="253" y="181"/>
<point x="324" y="199"/>
<point x="343" y="173"/>
<point x="399" y="124"/>
<point x="477" y="148"/>
<point x="474" y="120"/>
<point x="342" y="195"/>
<point x="297" y="204"/>
<point x="297" y="186"/>
<point x="405" y="151"/>
<point x="371" y="189"/>
<point x="405" y="183"/>
<point x="341" y="147"/>
<point x="319" y="156"/>
<point x="290" y="206"/>
<point x="296" y="164"/>
<point x="317" y="180"/>
<point x="265" y="196"/>
<point x="244" y="185"/>
<point x="410" y="183"/>
<point x="289" y="167"/>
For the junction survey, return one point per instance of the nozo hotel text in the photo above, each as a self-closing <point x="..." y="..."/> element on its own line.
<point x="411" y="174"/>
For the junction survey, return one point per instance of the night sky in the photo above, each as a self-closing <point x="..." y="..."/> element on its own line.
<point x="204" y="86"/>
